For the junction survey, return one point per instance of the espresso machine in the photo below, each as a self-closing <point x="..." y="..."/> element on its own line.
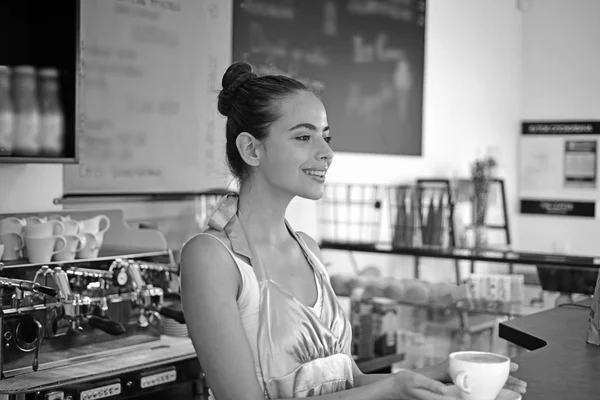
<point x="67" y="327"/>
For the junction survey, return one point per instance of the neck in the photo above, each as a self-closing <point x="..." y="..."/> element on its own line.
<point x="263" y="213"/>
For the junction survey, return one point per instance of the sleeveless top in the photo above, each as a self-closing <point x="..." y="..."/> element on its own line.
<point x="300" y="354"/>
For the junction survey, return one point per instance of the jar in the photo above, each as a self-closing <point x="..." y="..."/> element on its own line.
<point x="26" y="112"/>
<point x="6" y="113"/>
<point x="52" y="135"/>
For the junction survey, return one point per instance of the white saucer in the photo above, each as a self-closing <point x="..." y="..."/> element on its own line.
<point x="504" y="394"/>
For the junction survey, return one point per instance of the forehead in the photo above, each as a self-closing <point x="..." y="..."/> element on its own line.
<point x="303" y="107"/>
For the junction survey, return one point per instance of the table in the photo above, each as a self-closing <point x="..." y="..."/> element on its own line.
<point x="561" y="365"/>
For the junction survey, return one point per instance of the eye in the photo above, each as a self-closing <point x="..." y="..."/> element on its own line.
<point x="327" y="139"/>
<point x="304" y="138"/>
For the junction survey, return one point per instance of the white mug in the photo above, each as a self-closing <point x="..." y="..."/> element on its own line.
<point x="92" y="245"/>
<point x="479" y="375"/>
<point x="44" y="229"/>
<point x="32" y="220"/>
<point x="58" y="217"/>
<point x="74" y="244"/>
<point x="92" y="225"/>
<point x="41" y="249"/>
<point x="13" y="243"/>
<point x="11" y="224"/>
<point x="72" y="227"/>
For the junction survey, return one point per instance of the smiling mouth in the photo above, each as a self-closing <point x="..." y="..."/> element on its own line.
<point x="315" y="174"/>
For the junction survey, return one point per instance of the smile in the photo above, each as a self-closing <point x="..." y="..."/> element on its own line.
<point x="316" y="174"/>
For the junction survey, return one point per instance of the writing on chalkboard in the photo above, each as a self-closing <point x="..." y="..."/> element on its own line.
<point x="364" y="57"/>
<point x="149" y="71"/>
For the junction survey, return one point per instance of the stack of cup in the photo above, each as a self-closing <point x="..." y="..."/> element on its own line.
<point x="73" y="234"/>
<point x="43" y="239"/>
<point x="93" y="231"/>
<point x="11" y="238"/>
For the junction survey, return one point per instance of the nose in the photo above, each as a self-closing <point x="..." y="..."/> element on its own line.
<point x="324" y="151"/>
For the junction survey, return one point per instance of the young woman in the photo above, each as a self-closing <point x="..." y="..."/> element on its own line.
<point x="259" y="306"/>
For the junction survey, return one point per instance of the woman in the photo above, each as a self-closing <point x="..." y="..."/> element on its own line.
<point x="261" y="312"/>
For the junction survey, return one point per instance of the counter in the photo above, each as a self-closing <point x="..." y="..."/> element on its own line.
<point x="561" y="365"/>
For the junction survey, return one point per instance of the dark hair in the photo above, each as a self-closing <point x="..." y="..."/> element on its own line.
<point x="250" y="104"/>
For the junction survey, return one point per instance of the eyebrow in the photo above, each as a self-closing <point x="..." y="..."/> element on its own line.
<point x="308" y="126"/>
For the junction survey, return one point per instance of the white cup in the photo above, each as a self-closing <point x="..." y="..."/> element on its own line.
<point x="479" y="375"/>
<point x="11" y="224"/>
<point x="1" y="251"/>
<point x="13" y="243"/>
<point x="41" y="249"/>
<point x="72" y="227"/>
<point x="58" y="217"/>
<point x="74" y="245"/>
<point x="32" y="220"/>
<point x="92" y="225"/>
<point x="44" y="229"/>
<point x="92" y="245"/>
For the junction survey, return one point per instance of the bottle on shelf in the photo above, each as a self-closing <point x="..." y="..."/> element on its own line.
<point x="26" y="115"/>
<point x="6" y="113"/>
<point x="52" y="124"/>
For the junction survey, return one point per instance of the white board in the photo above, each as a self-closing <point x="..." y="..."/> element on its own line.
<point x="150" y="74"/>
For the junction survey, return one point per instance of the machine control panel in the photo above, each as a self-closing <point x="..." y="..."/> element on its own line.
<point x="101" y="392"/>
<point x="158" y="378"/>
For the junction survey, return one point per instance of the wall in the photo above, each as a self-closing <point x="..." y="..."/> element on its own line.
<point x="561" y="82"/>
<point x="472" y="102"/>
<point x="28" y="188"/>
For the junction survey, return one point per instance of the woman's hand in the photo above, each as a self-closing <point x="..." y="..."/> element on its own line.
<point x="412" y="385"/>
<point x="441" y="372"/>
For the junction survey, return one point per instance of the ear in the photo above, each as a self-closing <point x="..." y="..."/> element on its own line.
<point x="249" y="148"/>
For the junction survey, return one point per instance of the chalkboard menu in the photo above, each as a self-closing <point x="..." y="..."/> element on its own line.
<point x="364" y="57"/>
<point x="150" y="73"/>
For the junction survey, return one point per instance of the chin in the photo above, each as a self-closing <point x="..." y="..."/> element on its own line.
<point x="314" y="194"/>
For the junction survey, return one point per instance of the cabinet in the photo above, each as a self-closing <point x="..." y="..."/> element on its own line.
<point x="40" y="42"/>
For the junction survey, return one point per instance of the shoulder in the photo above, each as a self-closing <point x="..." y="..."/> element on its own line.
<point x="312" y="244"/>
<point x="204" y="258"/>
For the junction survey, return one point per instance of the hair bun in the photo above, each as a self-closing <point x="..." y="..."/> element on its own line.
<point x="234" y="77"/>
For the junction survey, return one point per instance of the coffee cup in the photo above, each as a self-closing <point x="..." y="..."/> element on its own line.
<point x="72" y="227"/>
<point x="93" y="225"/>
<point x="32" y="220"/>
<point x="41" y="249"/>
<point x="11" y="224"/>
<point x="58" y="217"/>
<point x="13" y="243"/>
<point x="92" y="245"/>
<point x="479" y="375"/>
<point x="44" y="229"/>
<point x="74" y="245"/>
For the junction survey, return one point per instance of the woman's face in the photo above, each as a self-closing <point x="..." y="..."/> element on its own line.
<point x="297" y="153"/>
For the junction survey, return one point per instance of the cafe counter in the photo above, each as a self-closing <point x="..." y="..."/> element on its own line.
<point x="560" y="364"/>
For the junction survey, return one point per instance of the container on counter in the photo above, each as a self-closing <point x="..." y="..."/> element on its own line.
<point x="6" y="113"/>
<point x="26" y="111"/>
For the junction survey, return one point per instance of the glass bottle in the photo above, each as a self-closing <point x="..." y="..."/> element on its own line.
<point x="26" y="116"/>
<point x="6" y="113"/>
<point x="52" y="135"/>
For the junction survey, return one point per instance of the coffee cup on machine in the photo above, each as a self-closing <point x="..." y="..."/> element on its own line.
<point x="41" y="249"/>
<point x="93" y="242"/>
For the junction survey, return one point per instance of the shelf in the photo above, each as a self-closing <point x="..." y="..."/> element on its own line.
<point x="486" y="255"/>
<point x="37" y="160"/>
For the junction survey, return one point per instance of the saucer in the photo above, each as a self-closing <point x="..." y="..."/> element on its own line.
<point x="504" y="394"/>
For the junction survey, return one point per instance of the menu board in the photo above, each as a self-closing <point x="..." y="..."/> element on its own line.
<point x="364" y="57"/>
<point x="150" y="73"/>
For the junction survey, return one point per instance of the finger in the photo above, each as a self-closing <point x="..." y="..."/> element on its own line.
<point x="518" y="389"/>
<point x="428" y="384"/>
<point x="513" y="366"/>
<point x="515" y="381"/>
<point x="447" y="394"/>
